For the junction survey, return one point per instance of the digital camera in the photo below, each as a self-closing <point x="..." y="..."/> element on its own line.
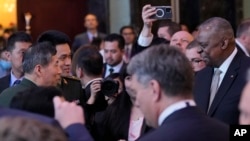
<point x="162" y="12"/>
<point x="109" y="87"/>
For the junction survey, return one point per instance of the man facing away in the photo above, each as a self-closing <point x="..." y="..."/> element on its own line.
<point x="160" y="84"/>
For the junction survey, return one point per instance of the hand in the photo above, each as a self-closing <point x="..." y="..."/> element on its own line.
<point x="67" y="113"/>
<point x="95" y="87"/>
<point x="147" y="12"/>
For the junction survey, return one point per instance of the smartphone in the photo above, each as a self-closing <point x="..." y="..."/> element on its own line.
<point x="162" y="12"/>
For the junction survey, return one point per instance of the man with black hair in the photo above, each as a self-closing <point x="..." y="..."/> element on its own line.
<point x="17" y="44"/>
<point x="71" y="87"/>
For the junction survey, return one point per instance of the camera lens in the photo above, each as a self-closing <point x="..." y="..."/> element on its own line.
<point x="159" y="13"/>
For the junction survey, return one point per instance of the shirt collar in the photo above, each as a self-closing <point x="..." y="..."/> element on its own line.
<point x="13" y="78"/>
<point x="116" y="68"/>
<point x="173" y="108"/>
<point x="91" y="82"/>
<point x="242" y="47"/>
<point x="91" y="36"/>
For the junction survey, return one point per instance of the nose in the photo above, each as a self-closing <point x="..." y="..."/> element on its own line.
<point x="199" y="50"/>
<point x="68" y="61"/>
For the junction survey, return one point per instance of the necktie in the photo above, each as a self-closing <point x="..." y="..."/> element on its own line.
<point x="16" y="82"/>
<point x="111" y="70"/>
<point x="214" y="86"/>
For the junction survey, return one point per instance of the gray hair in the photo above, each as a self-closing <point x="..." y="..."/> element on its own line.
<point x="219" y="26"/>
<point x="165" y="64"/>
<point x="41" y="53"/>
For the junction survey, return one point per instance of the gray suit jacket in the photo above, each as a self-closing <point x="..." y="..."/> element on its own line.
<point x="82" y="39"/>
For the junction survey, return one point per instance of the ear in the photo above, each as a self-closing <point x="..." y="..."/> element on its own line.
<point x="38" y="70"/>
<point x="79" y="72"/>
<point x="224" y="44"/>
<point x="156" y="90"/>
<point x="8" y="55"/>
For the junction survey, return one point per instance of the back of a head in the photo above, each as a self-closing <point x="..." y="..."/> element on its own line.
<point x="54" y="37"/>
<point x="173" y="26"/>
<point x="17" y="37"/>
<point x="115" y="37"/>
<point x="88" y="59"/>
<point x="165" y="64"/>
<point x="39" y="54"/>
<point x="36" y="100"/>
<point x="27" y="129"/>
<point x="243" y="28"/>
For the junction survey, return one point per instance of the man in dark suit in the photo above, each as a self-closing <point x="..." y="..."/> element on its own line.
<point x="113" y="54"/>
<point x="218" y="94"/>
<point x="88" y="65"/>
<point x="17" y="43"/>
<point x="243" y="37"/>
<point x="91" y="24"/>
<point x="160" y="84"/>
<point x="41" y="68"/>
<point x="71" y="86"/>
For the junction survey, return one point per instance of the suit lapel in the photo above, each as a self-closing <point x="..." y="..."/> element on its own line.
<point x="228" y="80"/>
<point x="202" y="91"/>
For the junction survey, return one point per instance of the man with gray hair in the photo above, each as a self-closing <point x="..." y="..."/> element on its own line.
<point x="243" y="37"/>
<point x="160" y="84"/>
<point x="40" y="67"/>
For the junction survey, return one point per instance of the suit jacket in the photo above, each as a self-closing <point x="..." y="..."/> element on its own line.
<point x="4" y="82"/>
<point x="7" y="95"/>
<point x="189" y="124"/>
<point x="75" y="132"/>
<point x="240" y="49"/>
<point x="122" y="70"/>
<point x="82" y="39"/>
<point x="72" y="90"/>
<point x="226" y="101"/>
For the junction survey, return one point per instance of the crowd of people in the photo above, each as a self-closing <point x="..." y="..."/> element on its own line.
<point x="126" y="86"/>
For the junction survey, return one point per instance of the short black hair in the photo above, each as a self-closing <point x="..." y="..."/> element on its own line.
<point x="17" y="37"/>
<point x="116" y="37"/>
<point x="88" y="59"/>
<point x="54" y="37"/>
<point x="173" y="26"/>
<point x="129" y="27"/>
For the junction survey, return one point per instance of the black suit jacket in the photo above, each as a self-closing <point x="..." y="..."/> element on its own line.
<point x="225" y="103"/>
<point x="189" y="124"/>
<point x="122" y="70"/>
<point x="240" y="49"/>
<point x="4" y="82"/>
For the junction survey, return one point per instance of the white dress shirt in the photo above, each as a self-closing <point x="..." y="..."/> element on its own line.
<point x="173" y="108"/>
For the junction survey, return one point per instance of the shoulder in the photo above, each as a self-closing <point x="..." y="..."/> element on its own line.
<point x="70" y="79"/>
<point x="80" y="35"/>
<point x="5" y="78"/>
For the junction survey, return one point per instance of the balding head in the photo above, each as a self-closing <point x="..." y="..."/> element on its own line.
<point x="181" y="39"/>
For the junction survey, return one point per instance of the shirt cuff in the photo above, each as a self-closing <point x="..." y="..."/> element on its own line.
<point x="145" y="41"/>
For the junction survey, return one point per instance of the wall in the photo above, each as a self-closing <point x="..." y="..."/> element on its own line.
<point x="64" y="15"/>
<point x="8" y="12"/>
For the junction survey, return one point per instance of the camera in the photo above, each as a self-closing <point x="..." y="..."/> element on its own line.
<point x="162" y="12"/>
<point x="109" y="87"/>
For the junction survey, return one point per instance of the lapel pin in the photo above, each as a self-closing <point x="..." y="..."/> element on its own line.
<point x="232" y="76"/>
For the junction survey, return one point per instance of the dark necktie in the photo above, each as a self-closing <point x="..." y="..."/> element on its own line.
<point x="111" y="70"/>
<point x="16" y="82"/>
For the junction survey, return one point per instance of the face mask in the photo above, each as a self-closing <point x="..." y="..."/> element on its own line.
<point x="5" y="65"/>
